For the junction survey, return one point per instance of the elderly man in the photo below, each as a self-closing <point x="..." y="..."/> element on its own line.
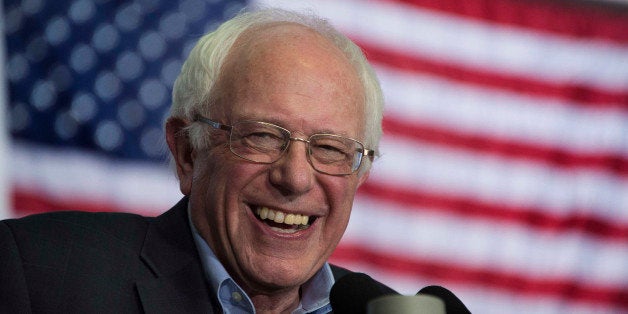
<point x="275" y="121"/>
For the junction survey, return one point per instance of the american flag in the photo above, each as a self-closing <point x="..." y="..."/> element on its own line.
<point x="504" y="167"/>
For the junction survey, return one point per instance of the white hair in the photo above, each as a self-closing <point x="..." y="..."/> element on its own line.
<point x="194" y="88"/>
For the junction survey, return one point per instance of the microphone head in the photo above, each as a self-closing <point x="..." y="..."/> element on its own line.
<point x="352" y="293"/>
<point x="453" y="305"/>
<point x="407" y="304"/>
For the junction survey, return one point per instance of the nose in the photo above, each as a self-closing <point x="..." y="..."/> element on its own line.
<point x="293" y="174"/>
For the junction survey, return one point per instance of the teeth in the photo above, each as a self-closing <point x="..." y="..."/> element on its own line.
<point x="263" y="213"/>
<point x="289" y="219"/>
<point x="281" y="217"/>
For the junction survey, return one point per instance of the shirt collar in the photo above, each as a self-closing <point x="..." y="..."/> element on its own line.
<point x="314" y="292"/>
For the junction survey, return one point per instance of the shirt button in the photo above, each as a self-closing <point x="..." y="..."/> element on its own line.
<point x="236" y="296"/>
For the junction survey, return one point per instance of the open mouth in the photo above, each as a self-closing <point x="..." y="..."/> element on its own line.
<point x="283" y="222"/>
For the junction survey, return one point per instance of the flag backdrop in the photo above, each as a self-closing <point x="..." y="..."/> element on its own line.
<point x="504" y="167"/>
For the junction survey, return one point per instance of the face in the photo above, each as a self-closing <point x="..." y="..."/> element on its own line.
<point x="294" y="78"/>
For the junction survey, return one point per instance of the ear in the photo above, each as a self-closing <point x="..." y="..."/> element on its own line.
<point x="182" y="152"/>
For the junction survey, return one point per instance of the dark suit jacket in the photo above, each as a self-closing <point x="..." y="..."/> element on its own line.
<point x="74" y="262"/>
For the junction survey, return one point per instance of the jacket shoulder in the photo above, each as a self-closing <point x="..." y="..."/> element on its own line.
<point x="81" y="227"/>
<point x="72" y="261"/>
<point x="69" y="223"/>
<point x="339" y="272"/>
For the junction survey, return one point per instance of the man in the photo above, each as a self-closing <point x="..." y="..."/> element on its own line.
<point x="275" y="121"/>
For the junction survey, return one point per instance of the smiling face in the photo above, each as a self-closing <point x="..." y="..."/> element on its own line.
<point x="292" y="77"/>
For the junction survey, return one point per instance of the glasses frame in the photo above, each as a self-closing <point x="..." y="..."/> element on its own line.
<point x="368" y="153"/>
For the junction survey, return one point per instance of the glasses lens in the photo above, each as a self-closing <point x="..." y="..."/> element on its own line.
<point x="258" y="141"/>
<point x="335" y="154"/>
<point x="265" y="143"/>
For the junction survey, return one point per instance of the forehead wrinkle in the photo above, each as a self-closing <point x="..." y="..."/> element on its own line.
<point x="253" y="64"/>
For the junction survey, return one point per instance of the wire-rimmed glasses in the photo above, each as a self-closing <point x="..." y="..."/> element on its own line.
<point x="263" y="142"/>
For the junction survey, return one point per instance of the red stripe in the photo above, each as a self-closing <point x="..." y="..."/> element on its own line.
<point x="445" y="272"/>
<point x="418" y="131"/>
<point x="485" y="78"/>
<point x="537" y="218"/>
<point x="26" y="202"/>
<point x="568" y="18"/>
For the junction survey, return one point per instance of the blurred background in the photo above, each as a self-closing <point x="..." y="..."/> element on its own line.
<point x="504" y="167"/>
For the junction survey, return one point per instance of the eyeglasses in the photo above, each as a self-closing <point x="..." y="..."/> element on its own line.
<point x="265" y="143"/>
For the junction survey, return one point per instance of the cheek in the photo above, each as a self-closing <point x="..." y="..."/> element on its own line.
<point x="212" y="182"/>
<point x="216" y="191"/>
<point x="220" y="171"/>
<point x="225" y="185"/>
<point x="340" y="194"/>
<point x="343" y="189"/>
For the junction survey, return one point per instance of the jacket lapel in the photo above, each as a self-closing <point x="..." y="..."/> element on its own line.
<point x="169" y="251"/>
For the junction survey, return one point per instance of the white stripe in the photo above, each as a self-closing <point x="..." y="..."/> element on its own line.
<point x="492" y="113"/>
<point x="451" y="239"/>
<point x="500" y="180"/>
<point x="480" y="299"/>
<point x="71" y="174"/>
<point x="5" y="211"/>
<point x="458" y="40"/>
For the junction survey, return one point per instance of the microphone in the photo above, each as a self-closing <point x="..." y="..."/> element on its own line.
<point x="358" y="293"/>
<point x="453" y="305"/>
